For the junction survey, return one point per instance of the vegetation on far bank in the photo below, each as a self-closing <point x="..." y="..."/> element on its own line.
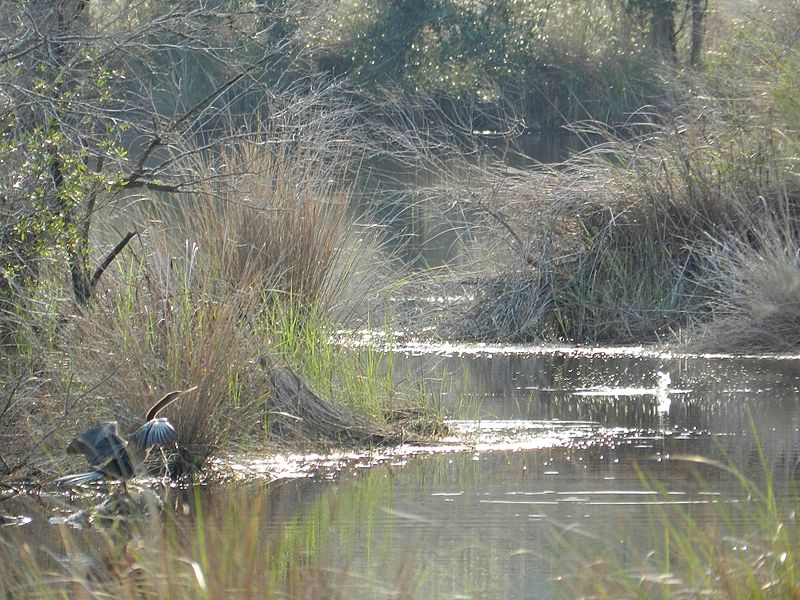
<point x="677" y="234"/>
<point x="679" y="226"/>
<point x="180" y="193"/>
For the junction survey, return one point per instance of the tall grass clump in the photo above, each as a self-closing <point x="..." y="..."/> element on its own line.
<point x="724" y="549"/>
<point x="315" y="272"/>
<point x="611" y="246"/>
<point x="755" y="286"/>
<point x="277" y="227"/>
<point x="164" y="328"/>
<point x="641" y="271"/>
<point x="187" y="304"/>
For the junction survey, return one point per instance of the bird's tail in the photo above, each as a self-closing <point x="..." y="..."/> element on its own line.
<point x="79" y="478"/>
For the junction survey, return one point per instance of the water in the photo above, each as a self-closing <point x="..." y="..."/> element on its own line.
<point x="564" y="452"/>
<point x="552" y="467"/>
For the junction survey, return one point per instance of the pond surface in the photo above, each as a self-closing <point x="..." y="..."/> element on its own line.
<point x="553" y="453"/>
<point x="553" y="466"/>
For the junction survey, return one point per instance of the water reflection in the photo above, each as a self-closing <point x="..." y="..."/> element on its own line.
<point x="562" y="451"/>
<point x="717" y="406"/>
<point x="547" y="470"/>
<point x="481" y="524"/>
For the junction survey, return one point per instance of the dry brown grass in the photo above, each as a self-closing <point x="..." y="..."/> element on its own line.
<point x="278" y="227"/>
<point x="613" y="245"/>
<point x="756" y="289"/>
<point x="193" y="301"/>
<point x="162" y="329"/>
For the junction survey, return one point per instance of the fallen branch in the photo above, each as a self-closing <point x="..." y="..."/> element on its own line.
<point x="296" y="412"/>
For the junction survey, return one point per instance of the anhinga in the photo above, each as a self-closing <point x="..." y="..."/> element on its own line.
<point x="113" y="457"/>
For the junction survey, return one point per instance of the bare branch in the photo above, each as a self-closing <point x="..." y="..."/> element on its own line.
<point x="24" y="46"/>
<point x="110" y="258"/>
<point x="156" y="186"/>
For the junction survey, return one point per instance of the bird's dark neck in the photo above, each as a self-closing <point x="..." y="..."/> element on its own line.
<point x="166" y="401"/>
<point x="161" y="404"/>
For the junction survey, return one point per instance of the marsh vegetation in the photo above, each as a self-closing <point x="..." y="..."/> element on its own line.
<point x="211" y="194"/>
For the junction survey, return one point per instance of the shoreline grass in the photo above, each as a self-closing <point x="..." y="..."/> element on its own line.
<point x="223" y="290"/>
<point x="745" y="549"/>
<point x="668" y="234"/>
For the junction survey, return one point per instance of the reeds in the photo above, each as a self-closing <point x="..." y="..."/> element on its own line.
<point x="755" y="286"/>
<point x="622" y="242"/>
<point x="207" y="545"/>
<point x="737" y="548"/>
<point x="202" y="297"/>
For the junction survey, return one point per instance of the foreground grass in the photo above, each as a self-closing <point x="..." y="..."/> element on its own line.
<point x="744" y="549"/>
<point x="207" y="544"/>
<point x="247" y="541"/>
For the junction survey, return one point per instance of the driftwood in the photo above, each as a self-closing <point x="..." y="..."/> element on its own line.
<point x="297" y="413"/>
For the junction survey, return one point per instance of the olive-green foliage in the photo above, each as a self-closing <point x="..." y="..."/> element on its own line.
<point x="95" y="98"/>
<point x="554" y="60"/>
<point x="758" y="60"/>
<point x="54" y="97"/>
<point x="47" y="178"/>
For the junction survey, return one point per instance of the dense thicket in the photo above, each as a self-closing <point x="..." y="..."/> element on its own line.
<point x="553" y="61"/>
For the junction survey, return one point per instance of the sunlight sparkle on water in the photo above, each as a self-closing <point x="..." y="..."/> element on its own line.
<point x="399" y="341"/>
<point x="478" y="437"/>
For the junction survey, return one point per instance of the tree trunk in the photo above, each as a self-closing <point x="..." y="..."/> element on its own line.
<point x="662" y="28"/>
<point x="699" y="9"/>
<point x="77" y="248"/>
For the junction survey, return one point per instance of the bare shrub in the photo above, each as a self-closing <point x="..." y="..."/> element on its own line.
<point x="756" y="289"/>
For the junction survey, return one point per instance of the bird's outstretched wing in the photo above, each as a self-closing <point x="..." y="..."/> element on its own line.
<point x="98" y="444"/>
<point x="79" y="478"/>
<point x="158" y="432"/>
